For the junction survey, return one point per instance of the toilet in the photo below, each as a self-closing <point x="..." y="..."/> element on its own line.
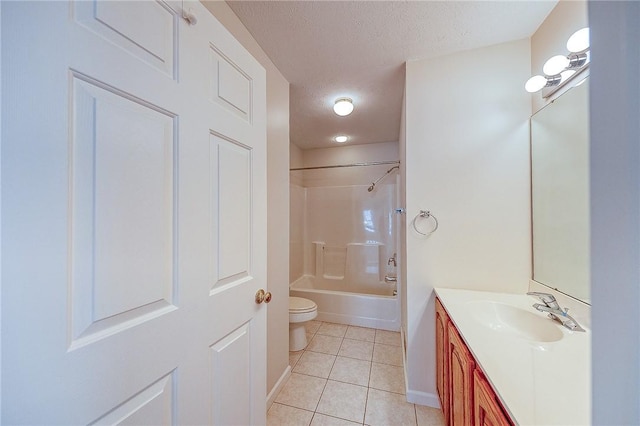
<point x="300" y="311"/>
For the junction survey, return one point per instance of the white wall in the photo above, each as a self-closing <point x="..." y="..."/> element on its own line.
<point x="278" y="195"/>
<point x="615" y="207"/>
<point x="467" y="161"/>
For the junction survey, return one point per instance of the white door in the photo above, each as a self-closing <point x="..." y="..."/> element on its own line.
<point x="134" y="232"/>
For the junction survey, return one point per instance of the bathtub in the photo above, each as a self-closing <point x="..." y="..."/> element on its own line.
<point x="371" y="305"/>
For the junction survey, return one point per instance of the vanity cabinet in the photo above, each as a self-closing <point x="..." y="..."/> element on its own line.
<point x="442" y="360"/>
<point x="465" y="394"/>
<point x="461" y="366"/>
<point x="486" y="408"/>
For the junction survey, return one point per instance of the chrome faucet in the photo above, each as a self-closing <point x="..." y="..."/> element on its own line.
<point x="555" y="312"/>
<point x="546" y="298"/>
<point x="392" y="260"/>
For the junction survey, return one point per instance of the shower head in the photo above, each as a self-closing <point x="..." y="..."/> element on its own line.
<point x="373" y="185"/>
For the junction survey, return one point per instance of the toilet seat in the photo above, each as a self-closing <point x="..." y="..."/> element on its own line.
<point x="299" y="305"/>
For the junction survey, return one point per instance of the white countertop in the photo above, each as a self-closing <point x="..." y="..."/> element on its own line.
<point x="538" y="383"/>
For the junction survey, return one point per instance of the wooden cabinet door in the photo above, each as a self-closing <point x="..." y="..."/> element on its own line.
<point x="487" y="411"/>
<point x="442" y="342"/>
<point x="461" y="366"/>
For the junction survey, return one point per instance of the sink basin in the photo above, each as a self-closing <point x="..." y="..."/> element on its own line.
<point x="515" y="321"/>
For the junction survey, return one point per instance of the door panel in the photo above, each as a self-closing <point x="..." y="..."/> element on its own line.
<point x="232" y="206"/>
<point x="151" y="406"/>
<point x="146" y="29"/>
<point x="231" y="363"/>
<point x="133" y="240"/>
<point x="230" y="85"/>
<point x="122" y="194"/>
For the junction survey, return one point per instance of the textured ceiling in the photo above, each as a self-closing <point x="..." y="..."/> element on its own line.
<point x="329" y="49"/>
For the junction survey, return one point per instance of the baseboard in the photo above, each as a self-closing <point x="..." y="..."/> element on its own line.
<point x="423" y="398"/>
<point x="416" y="397"/>
<point x="278" y="386"/>
<point x="404" y="359"/>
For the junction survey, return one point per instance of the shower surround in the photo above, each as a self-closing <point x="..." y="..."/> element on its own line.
<point x="343" y="238"/>
<point x="349" y="232"/>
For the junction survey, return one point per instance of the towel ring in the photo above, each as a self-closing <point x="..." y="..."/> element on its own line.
<point x="426" y="214"/>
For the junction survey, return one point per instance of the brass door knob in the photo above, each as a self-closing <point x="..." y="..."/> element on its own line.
<point x="262" y="296"/>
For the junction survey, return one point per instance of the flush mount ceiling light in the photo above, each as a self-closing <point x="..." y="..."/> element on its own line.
<point x="343" y="106"/>
<point x="560" y="69"/>
<point x="341" y="139"/>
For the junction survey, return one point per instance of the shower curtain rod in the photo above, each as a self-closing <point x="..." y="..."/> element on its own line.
<point x="372" y="163"/>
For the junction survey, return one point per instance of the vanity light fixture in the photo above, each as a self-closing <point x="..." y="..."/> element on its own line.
<point x="343" y="106"/>
<point x="341" y="139"/>
<point x="566" y="74"/>
<point x="555" y="65"/>
<point x="538" y="82"/>
<point x="559" y="69"/>
<point x="580" y="82"/>
<point x="579" y="41"/>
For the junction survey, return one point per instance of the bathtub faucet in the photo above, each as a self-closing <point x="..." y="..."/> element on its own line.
<point x="392" y="260"/>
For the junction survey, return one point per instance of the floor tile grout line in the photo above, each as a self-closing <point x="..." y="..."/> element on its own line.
<point x="326" y="381"/>
<point x="368" y="386"/>
<point x="292" y="406"/>
<point x="336" y="417"/>
<point x="350" y="357"/>
<point x="386" y="344"/>
<point x="370" y="370"/>
<point x="366" y="403"/>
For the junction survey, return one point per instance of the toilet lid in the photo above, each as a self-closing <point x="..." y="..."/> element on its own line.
<point x="299" y="304"/>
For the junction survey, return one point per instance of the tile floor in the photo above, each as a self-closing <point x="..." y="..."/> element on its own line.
<point x="348" y="376"/>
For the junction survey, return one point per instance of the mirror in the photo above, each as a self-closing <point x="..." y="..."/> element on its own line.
<point x="560" y="193"/>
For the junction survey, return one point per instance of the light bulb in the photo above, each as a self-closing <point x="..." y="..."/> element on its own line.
<point x="555" y="65"/>
<point x="578" y="41"/>
<point x="535" y="83"/>
<point x="343" y="106"/>
<point x="341" y="139"/>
